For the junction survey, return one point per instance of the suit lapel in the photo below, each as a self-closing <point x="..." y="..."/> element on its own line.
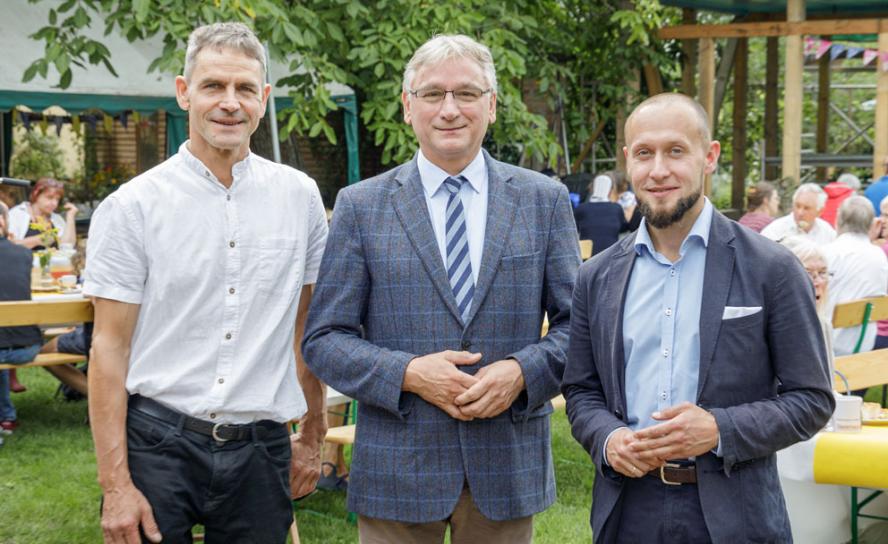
<point x="413" y="213"/>
<point x="613" y="304"/>
<point x="502" y="201"/>
<point x="716" y="285"/>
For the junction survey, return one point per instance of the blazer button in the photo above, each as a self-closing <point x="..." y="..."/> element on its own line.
<point x="618" y="413"/>
<point x="465" y="345"/>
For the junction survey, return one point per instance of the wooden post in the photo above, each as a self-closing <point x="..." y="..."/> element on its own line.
<point x="707" y="92"/>
<point x="771" y="124"/>
<point x="738" y="139"/>
<point x="622" y="114"/>
<point x="792" y="96"/>
<point x="880" y="147"/>
<point x="689" y="48"/>
<point x="823" y="76"/>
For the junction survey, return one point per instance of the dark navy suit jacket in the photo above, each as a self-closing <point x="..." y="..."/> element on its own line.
<point x="763" y="376"/>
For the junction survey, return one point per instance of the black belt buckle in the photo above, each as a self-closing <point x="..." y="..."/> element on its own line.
<point x="663" y="473"/>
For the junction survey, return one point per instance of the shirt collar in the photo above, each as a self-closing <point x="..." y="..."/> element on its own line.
<point x="699" y="230"/>
<point x="432" y="176"/>
<point x="201" y="169"/>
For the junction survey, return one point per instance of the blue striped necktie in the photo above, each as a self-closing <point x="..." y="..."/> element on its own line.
<point x="459" y="266"/>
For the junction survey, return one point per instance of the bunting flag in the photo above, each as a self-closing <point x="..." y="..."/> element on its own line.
<point x="44" y="125"/>
<point x="25" y="118"/>
<point x="836" y="51"/>
<point x="122" y="117"/>
<point x="91" y="121"/>
<point x="817" y="48"/>
<point x="58" y="121"/>
<point x="75" y="124"/>
<point x="108" y="123"/>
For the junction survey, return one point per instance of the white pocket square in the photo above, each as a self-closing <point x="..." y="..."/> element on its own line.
<point x="733" y="312"/>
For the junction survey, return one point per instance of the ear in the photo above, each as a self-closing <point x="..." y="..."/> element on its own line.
<point x="491" y="114"/>
<point x="266" y="92"/>
<point x="405" y="102"/>
<point x="712" y="155"/>
<point x="182" y="92"/>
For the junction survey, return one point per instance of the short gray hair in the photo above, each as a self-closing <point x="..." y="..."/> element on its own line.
<point x="444" y="47"/>
<point x="811" y="188"/>
<point x="803" y="248"/>
<point x="237" y="36"/>
<point x="850" y="180"/>
<point x="855" y="215"/>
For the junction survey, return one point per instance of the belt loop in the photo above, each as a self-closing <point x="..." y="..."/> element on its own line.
<point x="254" y="432"/>
<point x="180" y="424"/>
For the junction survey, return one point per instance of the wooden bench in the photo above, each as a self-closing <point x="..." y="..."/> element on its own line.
<point x="30" y="312"/>
<point x="867" y="369"/>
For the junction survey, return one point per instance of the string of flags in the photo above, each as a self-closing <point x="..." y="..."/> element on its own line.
<point x="819" y="47"/>
<point x="43" y="121"/>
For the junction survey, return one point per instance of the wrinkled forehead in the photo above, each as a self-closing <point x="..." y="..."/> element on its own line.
<point x="450" y="73"/>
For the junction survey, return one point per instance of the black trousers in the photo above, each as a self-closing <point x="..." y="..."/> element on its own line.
<point x="238" y="490"/>
<point x="653" y="512"/>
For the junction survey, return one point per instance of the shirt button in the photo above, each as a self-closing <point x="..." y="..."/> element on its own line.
<point x="228" y="336"/>
<point x="668" y="311"/>
<point x="227" y="197"/>
<point x="221" y="380"/>
<point x="213" y="415"/>
<point x="231" y="291"/>
<point x="231" y="243"/>
<point x="665" y="353"/>
<point x="663" y="395"/>
<point x="672" y="272"/>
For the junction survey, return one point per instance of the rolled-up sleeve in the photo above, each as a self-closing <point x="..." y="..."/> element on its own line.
<point x="116" y="264"/>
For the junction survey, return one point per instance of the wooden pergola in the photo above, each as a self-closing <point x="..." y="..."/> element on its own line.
<point x="791" y="20"/>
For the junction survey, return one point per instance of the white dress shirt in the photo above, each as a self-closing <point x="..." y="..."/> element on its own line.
<point x="859" y="270"/>
<point x="218" y="274"/>
<point x="20" y="220"/>
<point x="474" y="200"/>
<point x="821" y="233"/>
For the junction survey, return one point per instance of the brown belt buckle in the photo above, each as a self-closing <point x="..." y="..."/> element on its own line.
<point x="663" y="473"/>
<point x="218" y="438"/>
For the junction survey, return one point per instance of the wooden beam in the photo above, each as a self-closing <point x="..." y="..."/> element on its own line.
<point x="689" y="60"/>
<point x="35" y="312"/>
<point x="772" y="68"/>
<point x="722" y="75"/>
<point x="822" y="143"/>
<point x="789" y="27"/>
<point x="738" y="139"/>
<point x="707" y="92"/>
<point x="862" y="370"/>
<point x="652" y="79"/>
<point x="880" y="147"/>
<point x="634" y="84"/>
<point x="792" y="96"/>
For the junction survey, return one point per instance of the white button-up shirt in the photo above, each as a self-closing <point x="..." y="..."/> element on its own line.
<point x="821" y="233"/>
<point x="474" y="201"/>
<point x="218" y="273"/>
<point x="859" y="270"/>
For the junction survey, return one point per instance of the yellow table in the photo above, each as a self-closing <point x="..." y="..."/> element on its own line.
<point x="852" y="459"/>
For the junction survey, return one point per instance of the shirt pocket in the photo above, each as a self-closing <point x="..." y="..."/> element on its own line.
<point x="280" y="265"/>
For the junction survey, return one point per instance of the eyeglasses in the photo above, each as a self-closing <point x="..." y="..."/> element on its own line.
<point x="464" y="95"/>
<point x="815" y="275"/>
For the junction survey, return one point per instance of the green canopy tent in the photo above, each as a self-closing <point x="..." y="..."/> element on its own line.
<point x="95" y="88"/>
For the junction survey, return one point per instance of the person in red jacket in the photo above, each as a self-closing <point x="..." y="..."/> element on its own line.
<point x="836" y="193"/>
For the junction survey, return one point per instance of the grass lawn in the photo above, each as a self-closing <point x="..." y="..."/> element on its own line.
<point x="49" y="495"/>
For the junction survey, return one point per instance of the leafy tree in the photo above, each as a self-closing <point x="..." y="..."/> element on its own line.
<point x="38" y="155"/>
<point x="574" y="52"/>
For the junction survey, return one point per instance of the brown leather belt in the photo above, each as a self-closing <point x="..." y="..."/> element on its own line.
<point x="674" y="474"/>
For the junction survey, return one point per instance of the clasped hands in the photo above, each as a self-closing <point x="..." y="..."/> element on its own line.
<point x="686" y="430"/>
<point x="436" y="378"/>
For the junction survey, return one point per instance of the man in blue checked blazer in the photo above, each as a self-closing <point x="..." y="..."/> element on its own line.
<point x="695" y="354"/>
<point x="428" y="311"/>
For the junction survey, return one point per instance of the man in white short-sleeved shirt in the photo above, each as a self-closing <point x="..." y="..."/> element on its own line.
<point x="203" y="269"/>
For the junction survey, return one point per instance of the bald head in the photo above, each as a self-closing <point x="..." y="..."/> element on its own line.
<point x="669" y="103"/>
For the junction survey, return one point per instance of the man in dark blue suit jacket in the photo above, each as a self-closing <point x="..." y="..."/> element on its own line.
<point x="452" y="377"/>
<point x="695" y="354"/>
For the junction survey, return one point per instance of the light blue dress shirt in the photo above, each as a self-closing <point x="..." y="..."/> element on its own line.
<point x="474" y="200"/>
<point x="661" y="324"/>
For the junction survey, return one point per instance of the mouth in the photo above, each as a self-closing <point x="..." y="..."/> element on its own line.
<point x="227" y="122"/>
<point x="660" y="192"/>
<point x="450" y="130"/>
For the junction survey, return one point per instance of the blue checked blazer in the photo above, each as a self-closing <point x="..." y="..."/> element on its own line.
<point x="383" y="298"/>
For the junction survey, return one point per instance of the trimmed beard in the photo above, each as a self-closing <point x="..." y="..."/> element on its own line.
<point x="666" y="218"/>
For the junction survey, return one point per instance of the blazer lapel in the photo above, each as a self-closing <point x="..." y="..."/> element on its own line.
<point x="716" y="285"/>
<point x="502" y="200"/>
<point x="413" y="213"/>
<point x="613" y="304"/>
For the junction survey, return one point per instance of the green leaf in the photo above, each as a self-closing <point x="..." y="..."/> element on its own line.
<point x="52" y="17"/>
<point x="316" y="129"/>
<point x="30" y="72"/>
<point x="141" y="7"/>
<point x="65" y="80"/>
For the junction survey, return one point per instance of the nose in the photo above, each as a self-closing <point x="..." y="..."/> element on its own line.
<point x="229" y="102"/>
<point x="449" y="107"/>
<point x="658" y="168"/>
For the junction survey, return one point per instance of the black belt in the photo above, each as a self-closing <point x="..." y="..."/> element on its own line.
<point x="675" y="474"/>
<point x="221" y="432"/>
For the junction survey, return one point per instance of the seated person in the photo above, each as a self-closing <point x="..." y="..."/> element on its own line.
<point x="36" y="225"/>
<point x="18" y="345"/>
<point x="77" y="342"/>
